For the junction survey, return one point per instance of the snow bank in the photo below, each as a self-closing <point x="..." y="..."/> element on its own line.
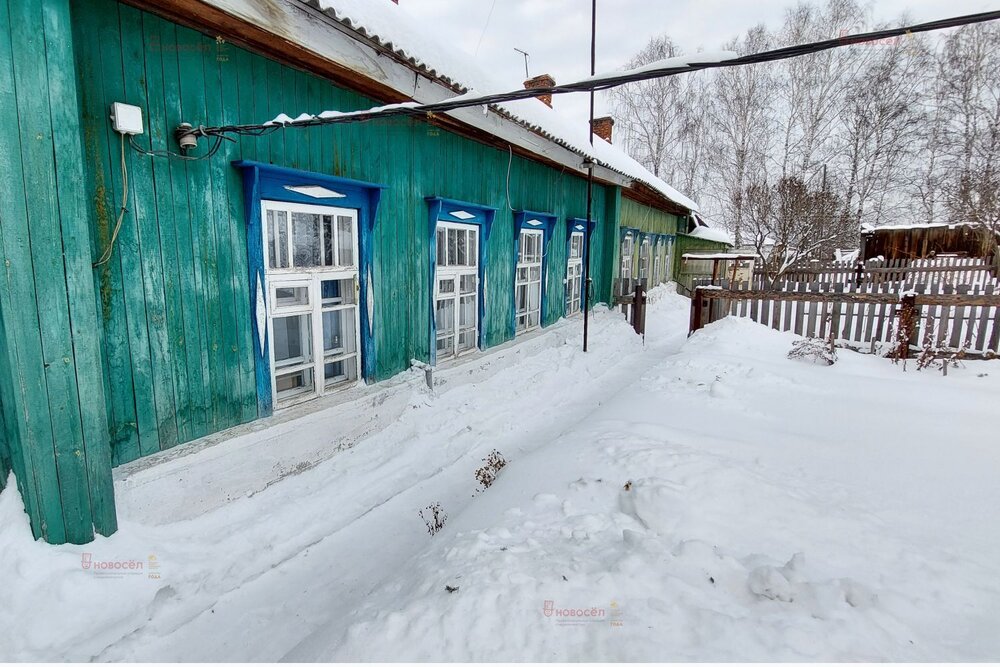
<point x="699" y="498"/>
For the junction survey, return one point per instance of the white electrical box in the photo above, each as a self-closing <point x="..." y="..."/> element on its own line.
<point x="126" y="118"/>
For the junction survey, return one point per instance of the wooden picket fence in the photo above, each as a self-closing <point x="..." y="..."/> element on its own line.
<point x="937" y="270"/>
<point x="867" y="317"/>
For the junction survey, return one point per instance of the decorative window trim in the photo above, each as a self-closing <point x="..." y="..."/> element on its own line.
<point x="453" y="210"/>
<point x="634" y="234"/>
<point x="666" y="244"/>
<point x="266" y="181"/>
<point x="545" y="222"/>
<point x="645" y="240"/>
<point x="580" y="225"/>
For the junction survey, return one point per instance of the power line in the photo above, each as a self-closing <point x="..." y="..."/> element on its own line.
<point x="487" y="25"/>
<point x="672" y="67"/>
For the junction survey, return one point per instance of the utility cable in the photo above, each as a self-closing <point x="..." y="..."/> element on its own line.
<point x="109" y="251"/>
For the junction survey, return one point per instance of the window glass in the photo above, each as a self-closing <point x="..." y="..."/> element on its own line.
<point x="530" y="247"/>
<point x="340" y="371"/>
<point x="328" y="240"/>
<point x="338" y="332"/>
<point x="291" y="296"/>
<point x="306" y="240"/>
<point x="294" y="383"/>
<point x="467" y="340"/>
<point x="467" y="312"/>
<point x="456" y="286"/>
<point x="445" y="316"/>
<point x="442" y="256"/>
<point x="277" y="239"/>
<point x="292" y="340"/>
<point x="345" y="241"/>
<point x="311" y="246"/>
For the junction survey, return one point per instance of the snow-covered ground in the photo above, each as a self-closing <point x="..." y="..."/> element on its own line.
<point x="690" y="499"/>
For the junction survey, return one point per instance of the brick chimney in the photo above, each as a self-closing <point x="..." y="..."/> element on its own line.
<point x="541" y="81"/>
<point x="602" y="127"/>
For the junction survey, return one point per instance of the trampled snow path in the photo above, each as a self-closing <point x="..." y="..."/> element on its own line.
<point x="736" y="460"/>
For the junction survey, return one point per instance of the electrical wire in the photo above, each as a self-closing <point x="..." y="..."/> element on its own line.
<point x="483" y="33"/>
<point x="109" y="251"/>
<point x="180" y="156"/>
<point x="510" y="160"/>
<point x="600" y="83"/>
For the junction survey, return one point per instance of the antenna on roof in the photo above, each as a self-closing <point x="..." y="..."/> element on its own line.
<point x="525" y="54"/>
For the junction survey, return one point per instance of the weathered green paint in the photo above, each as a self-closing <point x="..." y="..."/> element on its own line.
<point x="51" y="386"/>
<point x="649" y="219"/>
<point x="176" y="311"/>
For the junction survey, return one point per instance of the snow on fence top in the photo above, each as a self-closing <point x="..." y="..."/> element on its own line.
<point x="921" y="225"/>
<point x="401" y="33"/>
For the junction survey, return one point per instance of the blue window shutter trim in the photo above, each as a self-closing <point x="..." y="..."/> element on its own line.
<point x="521" y="221"/>
<point x="265" y="181"/>
<point x="580" y="225"/>
<point x="441" y="208"/>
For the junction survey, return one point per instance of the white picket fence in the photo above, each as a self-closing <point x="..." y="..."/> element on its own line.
<point x="865" y="317"/>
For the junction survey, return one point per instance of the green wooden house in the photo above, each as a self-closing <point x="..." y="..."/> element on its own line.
<point x="151" y="297"/>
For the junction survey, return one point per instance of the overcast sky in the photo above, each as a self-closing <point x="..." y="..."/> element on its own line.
<point x="556" y="33"/>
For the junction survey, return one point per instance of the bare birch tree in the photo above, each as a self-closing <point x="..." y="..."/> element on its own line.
<point x="797" y="155"/>
<point x="881" y="119"/>
<point x="968" y="69"/>
<point x="742" y="127"/>
<point x="662" y="121"/>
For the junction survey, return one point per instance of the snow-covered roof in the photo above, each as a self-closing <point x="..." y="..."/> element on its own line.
<point x="711" y="234"/>
<point x="716" y="255"/>
<point x="383" y="23"/>
<point x="923" y="225"/>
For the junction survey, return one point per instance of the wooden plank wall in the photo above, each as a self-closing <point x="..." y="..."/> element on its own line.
<point x="50" y="356"/>
<point x="5" y="463"/>
<point x="924" y="241"/>
<point x="174" y="299"/>
<point x="648" y="219"/>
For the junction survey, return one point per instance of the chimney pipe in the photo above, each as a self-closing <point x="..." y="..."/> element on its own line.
<point x="541" y="81"/>
<point x="602" y="127"/>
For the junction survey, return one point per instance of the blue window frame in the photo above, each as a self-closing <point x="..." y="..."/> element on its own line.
<point x="452" y="211"/>
<point x="580" y="226"/>
<point x="268" y="182"/>
<point x="628" y="241"/>
<point x="524" y="221"/>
